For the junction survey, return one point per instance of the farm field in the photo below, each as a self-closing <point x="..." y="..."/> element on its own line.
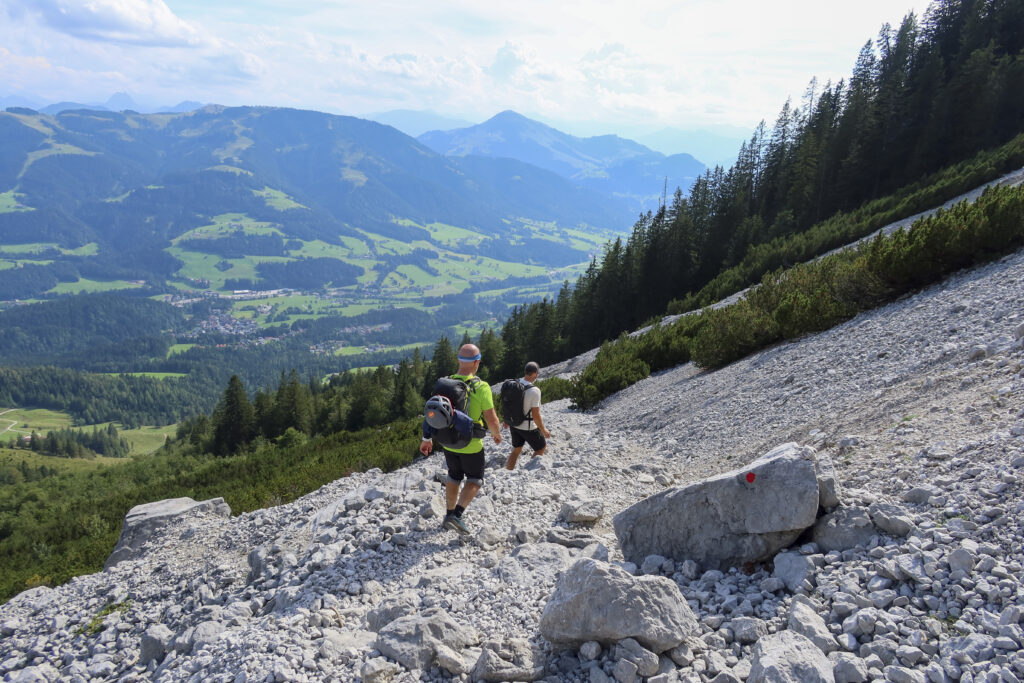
<point x="87" y="286"/>
<point x="23" y="421"/>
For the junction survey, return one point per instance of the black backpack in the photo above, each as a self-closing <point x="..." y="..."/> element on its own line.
<point x="457" y="391"/>
<point x="513" y="393"/>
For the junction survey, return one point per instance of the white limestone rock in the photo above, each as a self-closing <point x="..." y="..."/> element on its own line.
<point x="143" y="521"/>
<point x="600" y="602"/>
<point x="741" y="516"/>
<point x="788" y="657"/>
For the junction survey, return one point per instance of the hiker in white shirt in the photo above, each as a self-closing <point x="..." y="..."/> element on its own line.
<point x="531" y="430"/>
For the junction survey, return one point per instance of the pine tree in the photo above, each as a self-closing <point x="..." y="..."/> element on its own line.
<point x="233" y="419"/>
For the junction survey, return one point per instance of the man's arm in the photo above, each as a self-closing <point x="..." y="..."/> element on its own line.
<point x="427" y="444"/>
<point x="491" y="418"/>
<point x="535" y="414"/>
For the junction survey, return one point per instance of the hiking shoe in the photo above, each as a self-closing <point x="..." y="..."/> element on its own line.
<point x="454" y="523"/>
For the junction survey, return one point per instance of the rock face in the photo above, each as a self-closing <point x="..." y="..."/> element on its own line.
<point x="741" y="516"/>
<point x="143" y="521"/>
<point x="595" y="601"/>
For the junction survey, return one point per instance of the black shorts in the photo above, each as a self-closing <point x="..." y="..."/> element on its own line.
<point x="469" y="466"/>
<point x="531" y="436"/>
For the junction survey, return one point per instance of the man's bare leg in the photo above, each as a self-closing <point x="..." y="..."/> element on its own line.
<point x="468" y="493"/>
<point x="451" y="494"/>
<point x="513" y="457"/>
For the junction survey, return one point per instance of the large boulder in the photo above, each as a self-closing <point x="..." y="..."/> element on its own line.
<point x="413" y="640"/>
<point x="741" y="516"/>
<point x="596" y="601"/>
<point x="144" y="521"/>
<point x="788" y="657"/>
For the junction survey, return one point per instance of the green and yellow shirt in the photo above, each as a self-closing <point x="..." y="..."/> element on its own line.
<point x="480" y="399"/>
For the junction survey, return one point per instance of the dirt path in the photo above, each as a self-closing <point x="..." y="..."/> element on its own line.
<point x="10" y="426"/>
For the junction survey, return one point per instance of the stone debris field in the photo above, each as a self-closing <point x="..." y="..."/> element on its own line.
<point x="845" y="507"/>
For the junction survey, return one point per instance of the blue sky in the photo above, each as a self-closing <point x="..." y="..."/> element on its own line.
<point x="582" y="65"/>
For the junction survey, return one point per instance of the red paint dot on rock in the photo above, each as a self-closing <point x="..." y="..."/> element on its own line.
<point x="750" y="477"/>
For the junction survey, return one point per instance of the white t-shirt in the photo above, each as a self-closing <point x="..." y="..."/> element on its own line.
<point x="531" y="399"/>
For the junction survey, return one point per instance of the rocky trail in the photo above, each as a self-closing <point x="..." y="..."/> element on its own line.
<point x="916" y="577"/>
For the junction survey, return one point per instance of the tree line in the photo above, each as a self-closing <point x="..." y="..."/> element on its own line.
<point x="299" y="410"/>
<point x="78" y="443"/>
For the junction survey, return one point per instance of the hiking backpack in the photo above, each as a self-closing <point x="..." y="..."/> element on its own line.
<point x="513" y="394"/>
<point x="455" y="434"/>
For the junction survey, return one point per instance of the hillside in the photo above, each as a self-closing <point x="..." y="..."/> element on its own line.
<point x="914" y="403"/>
<point x="606" y="163"/>
<point x="155" y="197"/>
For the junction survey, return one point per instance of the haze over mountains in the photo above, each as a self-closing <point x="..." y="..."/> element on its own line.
<point x="133" y="182"/>
<point x="607" y="164"/>
<point x="119" y="101"/>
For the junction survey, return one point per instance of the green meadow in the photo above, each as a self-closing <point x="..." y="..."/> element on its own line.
<point x="24" y="421"/>
<point x="84" y="285"/>
<point x="277" y="199"/>
<point x="178" y="348"/>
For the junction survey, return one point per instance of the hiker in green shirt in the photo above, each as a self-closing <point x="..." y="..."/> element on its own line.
<point x="467" y="463"/>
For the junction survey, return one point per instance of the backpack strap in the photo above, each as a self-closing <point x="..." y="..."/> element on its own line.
<point x="471" y="385"/>
<point x="528" y="414"/>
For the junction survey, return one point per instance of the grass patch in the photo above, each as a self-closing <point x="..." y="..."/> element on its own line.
<point x="26" y="249"/>
<point x="201" y="266"/>
<point x="277" y="199"/>
<point x="178" y="348"/>
<point x="448" y="235"/>
<point x="226" y="224"/>
<point x="146" y="440"/>
<point x="357" y="246"/>
<point x="86" y="285"/>
<point x="90" y="249"/>
<point x="9" y="202"/>
<point x="27" y="420"/>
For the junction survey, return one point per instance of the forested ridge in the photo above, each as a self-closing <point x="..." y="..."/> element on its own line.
<point x="91" y="398"/>
<point x="932" y="93"/>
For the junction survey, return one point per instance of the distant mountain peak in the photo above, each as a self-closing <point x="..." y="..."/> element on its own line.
<point x="605" y="163"/>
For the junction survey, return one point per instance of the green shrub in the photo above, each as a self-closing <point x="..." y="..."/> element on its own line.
<point x="616" y="367"/>
<point x="554" y="388"/>
<point x="733" y="332"/>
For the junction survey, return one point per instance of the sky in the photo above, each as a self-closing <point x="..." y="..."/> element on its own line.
<point x="624" y="66"/>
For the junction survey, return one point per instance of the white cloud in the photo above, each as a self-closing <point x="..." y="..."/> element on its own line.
<point x="650" y="63"/>
<point x="131" y="22"/>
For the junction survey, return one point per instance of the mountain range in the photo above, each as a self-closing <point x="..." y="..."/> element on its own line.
<point x="607" y="164"/>
<point x="133" y="184"/>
